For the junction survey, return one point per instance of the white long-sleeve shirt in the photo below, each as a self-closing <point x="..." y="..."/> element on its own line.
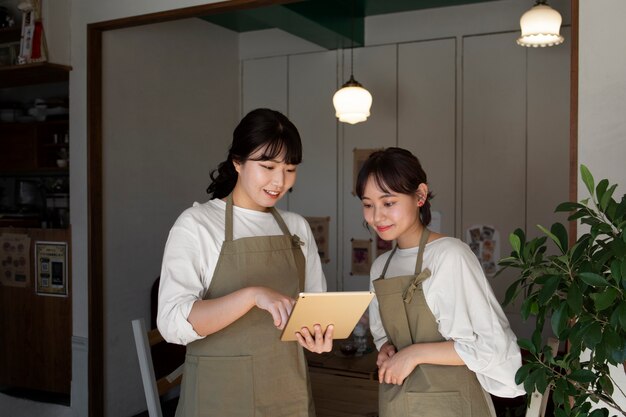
<point x="465" y="308"/>
<point x="192" y="250"/>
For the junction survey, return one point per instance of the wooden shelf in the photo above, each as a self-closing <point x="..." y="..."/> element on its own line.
<point x="37" y="73"/>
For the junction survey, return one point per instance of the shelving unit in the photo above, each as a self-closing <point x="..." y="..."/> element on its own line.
<point x="30" y="147"/>
<point x="29" y="74"/>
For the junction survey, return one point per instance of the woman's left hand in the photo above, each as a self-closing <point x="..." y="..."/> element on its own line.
<point x="316" y="342"/>
<point x="395" y="369"/>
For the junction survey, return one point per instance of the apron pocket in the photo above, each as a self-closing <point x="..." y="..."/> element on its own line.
<point x="224" y="387"/>
<point x="435" y="404"/>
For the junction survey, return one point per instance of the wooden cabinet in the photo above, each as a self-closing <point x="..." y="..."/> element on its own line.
<point x="36" y="330"/>
<point x="31" y="146"/>
<point x="344" y="386"/>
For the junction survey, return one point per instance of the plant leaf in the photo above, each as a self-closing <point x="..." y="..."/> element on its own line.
<point x="593" y="279"/>
<point x="527" y="345"/>
<point x="575" y="298"/>
<point x="549" y="288"/>
<point x="593" y="335"/>
<point x="622" y="315"/>
<point x="577" y="215"/>
<point x="616" y="270"/>
<point x="604" y="300"/>
<point x="560" y="232"/>
<point x="522" y="372"/>
<point x="516" y="244"/>
<point x="511" y="293"/>
<point x="551" y="236"/>
<point x="587" y="178"/>
<point x="601" y="188"/>
<point x="582" y="375"/>
<point x="604" y="201"/>
<point x="568" y="206"/>
<point x="621" y="209"/>
<point x="559" y="320"/>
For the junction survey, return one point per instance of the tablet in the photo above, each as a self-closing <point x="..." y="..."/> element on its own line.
<point x="341" y="309"/>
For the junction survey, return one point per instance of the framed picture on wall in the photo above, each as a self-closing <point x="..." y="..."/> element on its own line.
<point x="361" y="256"/>
<point x="51" y="268"/>
<point x="14" y="260"/>
<point x="319" y="227"/>
<point x="360" y="156"/>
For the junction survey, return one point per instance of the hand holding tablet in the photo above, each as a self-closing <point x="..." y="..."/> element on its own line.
<point x="341" y="309"/>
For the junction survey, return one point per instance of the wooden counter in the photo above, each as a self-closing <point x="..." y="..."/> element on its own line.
<point x="344" y="386"/>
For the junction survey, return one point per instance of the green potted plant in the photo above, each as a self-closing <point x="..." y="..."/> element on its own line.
<point x="580" y="291"/>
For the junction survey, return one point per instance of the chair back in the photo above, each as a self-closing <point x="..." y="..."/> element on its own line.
<point x="153" y="388"/>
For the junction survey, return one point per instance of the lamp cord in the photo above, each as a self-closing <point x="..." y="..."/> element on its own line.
<point x="352" y="38"/>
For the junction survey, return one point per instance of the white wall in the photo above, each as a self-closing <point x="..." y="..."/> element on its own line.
<point x="602" y="104"/>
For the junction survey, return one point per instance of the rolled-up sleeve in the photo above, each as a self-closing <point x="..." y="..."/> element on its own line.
<point x="468" y="312"/>
<point x="180" y="285"/>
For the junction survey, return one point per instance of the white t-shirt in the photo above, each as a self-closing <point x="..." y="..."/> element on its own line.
<point x="192" y="250"/>
<point x="465" y="308"/>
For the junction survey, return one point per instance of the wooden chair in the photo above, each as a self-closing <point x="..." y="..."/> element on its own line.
<point x="153" y="388"/>
<point x="539" y="401"/>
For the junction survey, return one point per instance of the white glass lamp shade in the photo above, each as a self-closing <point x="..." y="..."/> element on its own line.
<point x="352" y="102"/>
<point x="540" y="27"/>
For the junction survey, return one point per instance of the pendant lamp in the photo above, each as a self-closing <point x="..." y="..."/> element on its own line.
<point x="352" y="102"/>
<point x="540" y="26"/>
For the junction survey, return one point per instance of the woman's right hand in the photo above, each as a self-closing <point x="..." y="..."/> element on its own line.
<point x="386" y="352"/>
<point x="275" y="303"/>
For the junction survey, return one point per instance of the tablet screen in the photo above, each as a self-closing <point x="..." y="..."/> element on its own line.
<point x="341" y="309"/>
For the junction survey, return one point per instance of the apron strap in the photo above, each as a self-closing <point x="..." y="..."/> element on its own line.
<point x="228" y="228"/>
<point x="382" y="275"/>
<point x="295" y="239"/>
<point x="420" y="275"/>
<point x="420" y="253"/>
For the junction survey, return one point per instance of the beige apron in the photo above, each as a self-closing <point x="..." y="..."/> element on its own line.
<point x="244" y="370"/>
<point x="430" y="390"/>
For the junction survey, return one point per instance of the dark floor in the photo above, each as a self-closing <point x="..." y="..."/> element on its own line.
<point x="39" y="396"/>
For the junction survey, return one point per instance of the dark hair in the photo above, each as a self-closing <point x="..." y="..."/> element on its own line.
<point x="397" y="170"/>
<point x="261" y="128"/>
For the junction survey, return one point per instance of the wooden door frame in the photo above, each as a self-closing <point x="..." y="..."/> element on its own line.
<point x="95" y="33"/>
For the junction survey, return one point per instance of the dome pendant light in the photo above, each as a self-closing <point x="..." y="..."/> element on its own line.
<point x="352" y="102"/>
<point x="540" y="26"/>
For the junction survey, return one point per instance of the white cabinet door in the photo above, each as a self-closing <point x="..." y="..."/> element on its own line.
<point x="548" y="134"/>
<point x="427" y="117"/>
<point x="312" y="83"/>
<point x="494" y="139"/>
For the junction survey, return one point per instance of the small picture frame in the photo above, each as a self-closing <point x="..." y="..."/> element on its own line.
<point x="319" y="228"/>
<point x="361" y="256"/>
<point x="360" y="156"/>
<point x="51" y="268"/>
